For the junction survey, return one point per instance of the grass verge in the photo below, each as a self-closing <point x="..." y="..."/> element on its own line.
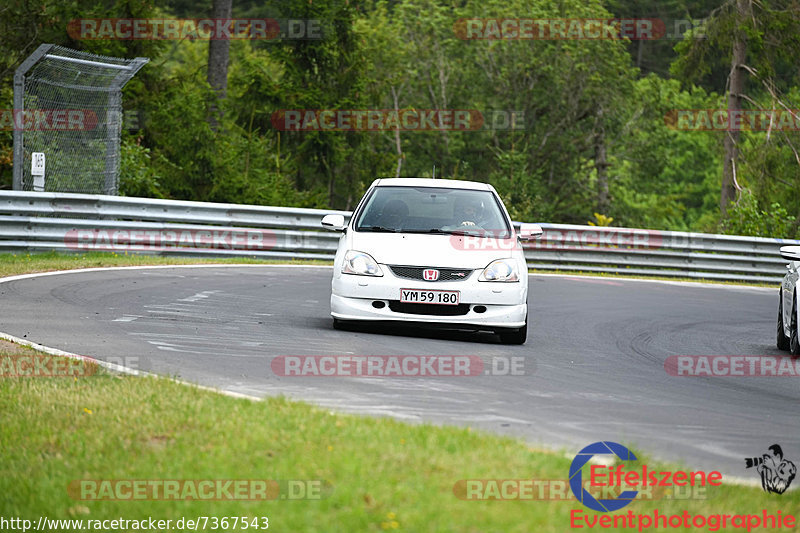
<point x="376" y="474"/>
<point x="14" y="264"/>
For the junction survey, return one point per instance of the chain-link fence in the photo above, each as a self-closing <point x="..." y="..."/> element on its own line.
<point x="68" y="106"/>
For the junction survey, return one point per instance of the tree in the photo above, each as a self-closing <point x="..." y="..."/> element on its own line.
<point x="218" y="52"/>
<point x="760" y="42"/>
<point x="736" y="81"/>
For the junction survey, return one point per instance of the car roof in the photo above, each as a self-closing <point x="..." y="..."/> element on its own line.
<point x="429" y="182"/>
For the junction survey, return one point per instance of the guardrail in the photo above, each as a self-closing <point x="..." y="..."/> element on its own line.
<point x="31" y="221"/>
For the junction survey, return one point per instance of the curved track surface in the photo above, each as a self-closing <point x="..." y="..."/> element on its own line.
<point x="593" y="363"/>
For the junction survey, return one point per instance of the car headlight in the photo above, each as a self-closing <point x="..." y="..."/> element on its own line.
<point x="360" y="264"/>
<point x="500" y="270"/>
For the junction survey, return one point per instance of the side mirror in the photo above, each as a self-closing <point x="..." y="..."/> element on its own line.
<point x="528" y="232"/>
<point x="792" y="253"/>
<point x="334" y="222"/>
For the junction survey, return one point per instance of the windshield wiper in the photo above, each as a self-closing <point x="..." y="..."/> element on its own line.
<point x="472" y="232"/>
<point x="432" y="230"/>
<point x="435" y="231"/>
<point x="378" y="229"/>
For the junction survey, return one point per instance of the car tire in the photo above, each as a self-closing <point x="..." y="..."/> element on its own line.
<point x="515" y="335"/>
<point x="783" y="340"/>
<point x="339" y="324"/>
<point x="794" y="342"/>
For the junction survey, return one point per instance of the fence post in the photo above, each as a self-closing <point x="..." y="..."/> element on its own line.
<point x="19" y="107"/>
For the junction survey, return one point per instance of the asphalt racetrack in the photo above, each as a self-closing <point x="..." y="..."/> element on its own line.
<point x="592" y="369"/>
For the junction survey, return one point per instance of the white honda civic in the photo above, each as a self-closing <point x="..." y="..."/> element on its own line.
<point x="434" y="251"/>
<point x="788" y="310"/>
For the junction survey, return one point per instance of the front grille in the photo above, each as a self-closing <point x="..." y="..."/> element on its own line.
<point x="428" y="309"/>
<point x="445" y="274"/>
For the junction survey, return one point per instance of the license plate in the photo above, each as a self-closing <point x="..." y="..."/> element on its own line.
<point x="418" y="296"/>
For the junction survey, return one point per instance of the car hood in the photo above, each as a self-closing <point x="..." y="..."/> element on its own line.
<point x="453" y="251"/>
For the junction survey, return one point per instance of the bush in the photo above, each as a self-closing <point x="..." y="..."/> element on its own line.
<point x="745" y="218"/>
<point x="137" y="175"/>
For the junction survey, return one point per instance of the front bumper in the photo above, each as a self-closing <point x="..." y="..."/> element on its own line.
<point x="504" y="304"/>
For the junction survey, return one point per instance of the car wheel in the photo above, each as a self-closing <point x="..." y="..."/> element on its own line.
<point x="794" y="343"/>
<point x="339" y="324"/>
<point x="783" y="340"/>
<point x="515" y="335"/>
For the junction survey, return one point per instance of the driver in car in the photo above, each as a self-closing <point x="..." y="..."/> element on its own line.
<point x="467" y="212"/>
<point x="394" y="214"/>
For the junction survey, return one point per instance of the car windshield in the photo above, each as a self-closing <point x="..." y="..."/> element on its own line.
<point x="433" y="210"/>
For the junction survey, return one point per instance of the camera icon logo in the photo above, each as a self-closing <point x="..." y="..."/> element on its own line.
<point x="777" y="473"/>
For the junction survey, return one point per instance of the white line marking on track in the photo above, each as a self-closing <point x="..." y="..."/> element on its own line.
<point x="664" y="282"/>
<point x="329" y="267"/>
<point x="198" y="296"/>
<point x="126" y="318"/>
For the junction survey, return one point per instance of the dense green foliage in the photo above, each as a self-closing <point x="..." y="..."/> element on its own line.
<point x="595" y="137"/>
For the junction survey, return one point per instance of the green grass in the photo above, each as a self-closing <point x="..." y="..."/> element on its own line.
<point x="380" y="474"/>
<point x="25" y="263"/>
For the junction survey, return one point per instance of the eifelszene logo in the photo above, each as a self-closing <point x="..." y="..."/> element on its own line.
<point x="576" y="479"/>
<point x="776" y="472"/>
<point x="618" y="477"/>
